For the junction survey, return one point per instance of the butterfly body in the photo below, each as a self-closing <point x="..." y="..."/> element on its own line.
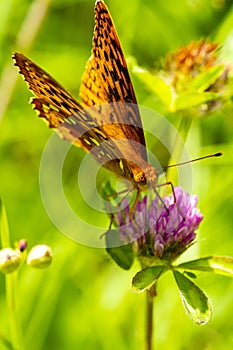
<point x="107" y="122"/>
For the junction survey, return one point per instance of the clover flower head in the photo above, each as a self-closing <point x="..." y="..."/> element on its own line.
<point x="194" y="60"/>
<point x="189" y="61"/>
<point x="161" y="230"/>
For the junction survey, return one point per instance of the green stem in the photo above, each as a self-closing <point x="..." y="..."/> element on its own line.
<point x="4" y="228"/>
<point x="182" y="134"/>
<point x="151" y="293"/>
<point x="11" y="286"/>
<point x="12" y="305"/>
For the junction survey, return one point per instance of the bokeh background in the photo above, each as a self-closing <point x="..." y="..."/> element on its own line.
<point x="84" y="301"/>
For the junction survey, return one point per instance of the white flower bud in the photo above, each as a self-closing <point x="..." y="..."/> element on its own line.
<point x="40" y="256"/>
<point x="10" y="260"/>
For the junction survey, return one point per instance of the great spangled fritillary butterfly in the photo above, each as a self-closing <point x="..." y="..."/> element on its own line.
<point x="111" y="127"/>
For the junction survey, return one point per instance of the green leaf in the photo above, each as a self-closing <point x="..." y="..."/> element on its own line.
<point x="145" y="278"/>
<point x="190" y="274"/>
<point x="222" y="265"/>
<point x="226" y="53"/>
<point x="189" y="99"/>
<point x="4" y="228"/>
<point x="121" y="253"/>
<point x="195" y="302"/>
<point x="6" y="343"/>
<point x="155" y="84"/>
<point x="205" y="79"/>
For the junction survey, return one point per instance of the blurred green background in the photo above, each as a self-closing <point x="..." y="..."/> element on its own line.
<point x="84" y="301"/>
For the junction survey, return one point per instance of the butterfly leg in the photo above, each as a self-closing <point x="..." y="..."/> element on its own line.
<point x="138" y="191"/>
<point x="132" y="209"/>
<point x="160" y="198"/>
<point x="109" y="205"/>
<point x="118" y="193"/>
<point x="135" y="201"/>
<point x="169" y="183"/>
<point x="127" y="191"/>
<point x="109" y="226"/>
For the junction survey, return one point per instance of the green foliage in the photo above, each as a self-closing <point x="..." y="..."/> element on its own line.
<point x="205" y="79"/>
<point x="189" y="99"/>
<point x="155" y="85"/>
<point x="222" y="265"/>
<point x="120" y="252"/>
<point x="195" y="94"/>
<point x="145" y="278"/>
<point x="195" y="301"/>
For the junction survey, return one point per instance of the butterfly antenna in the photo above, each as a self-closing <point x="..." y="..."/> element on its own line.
<point x="219" y="154"/>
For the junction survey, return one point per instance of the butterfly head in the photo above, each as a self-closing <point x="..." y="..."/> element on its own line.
<point x="145" y="176"/>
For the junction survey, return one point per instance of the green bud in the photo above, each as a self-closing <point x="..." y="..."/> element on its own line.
<point x="10" y="260"/>
<point x="40" y="256"/>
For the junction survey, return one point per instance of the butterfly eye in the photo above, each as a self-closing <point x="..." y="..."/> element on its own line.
<point x="140" y="179"/>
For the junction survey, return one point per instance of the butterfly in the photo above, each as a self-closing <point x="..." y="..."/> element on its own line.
<point x="107" y="122"/>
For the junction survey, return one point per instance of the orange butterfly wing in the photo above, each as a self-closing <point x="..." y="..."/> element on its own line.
<point x="105" y="130"/>
<point x="68" y="117"/>
<point x="106" y="79"/>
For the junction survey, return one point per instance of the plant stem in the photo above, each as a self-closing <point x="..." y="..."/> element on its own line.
<point x="151" y="293"/>
<point x="11" y="286"/>
<point x="11" y="298"/>
<point x="4" y="228"/>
